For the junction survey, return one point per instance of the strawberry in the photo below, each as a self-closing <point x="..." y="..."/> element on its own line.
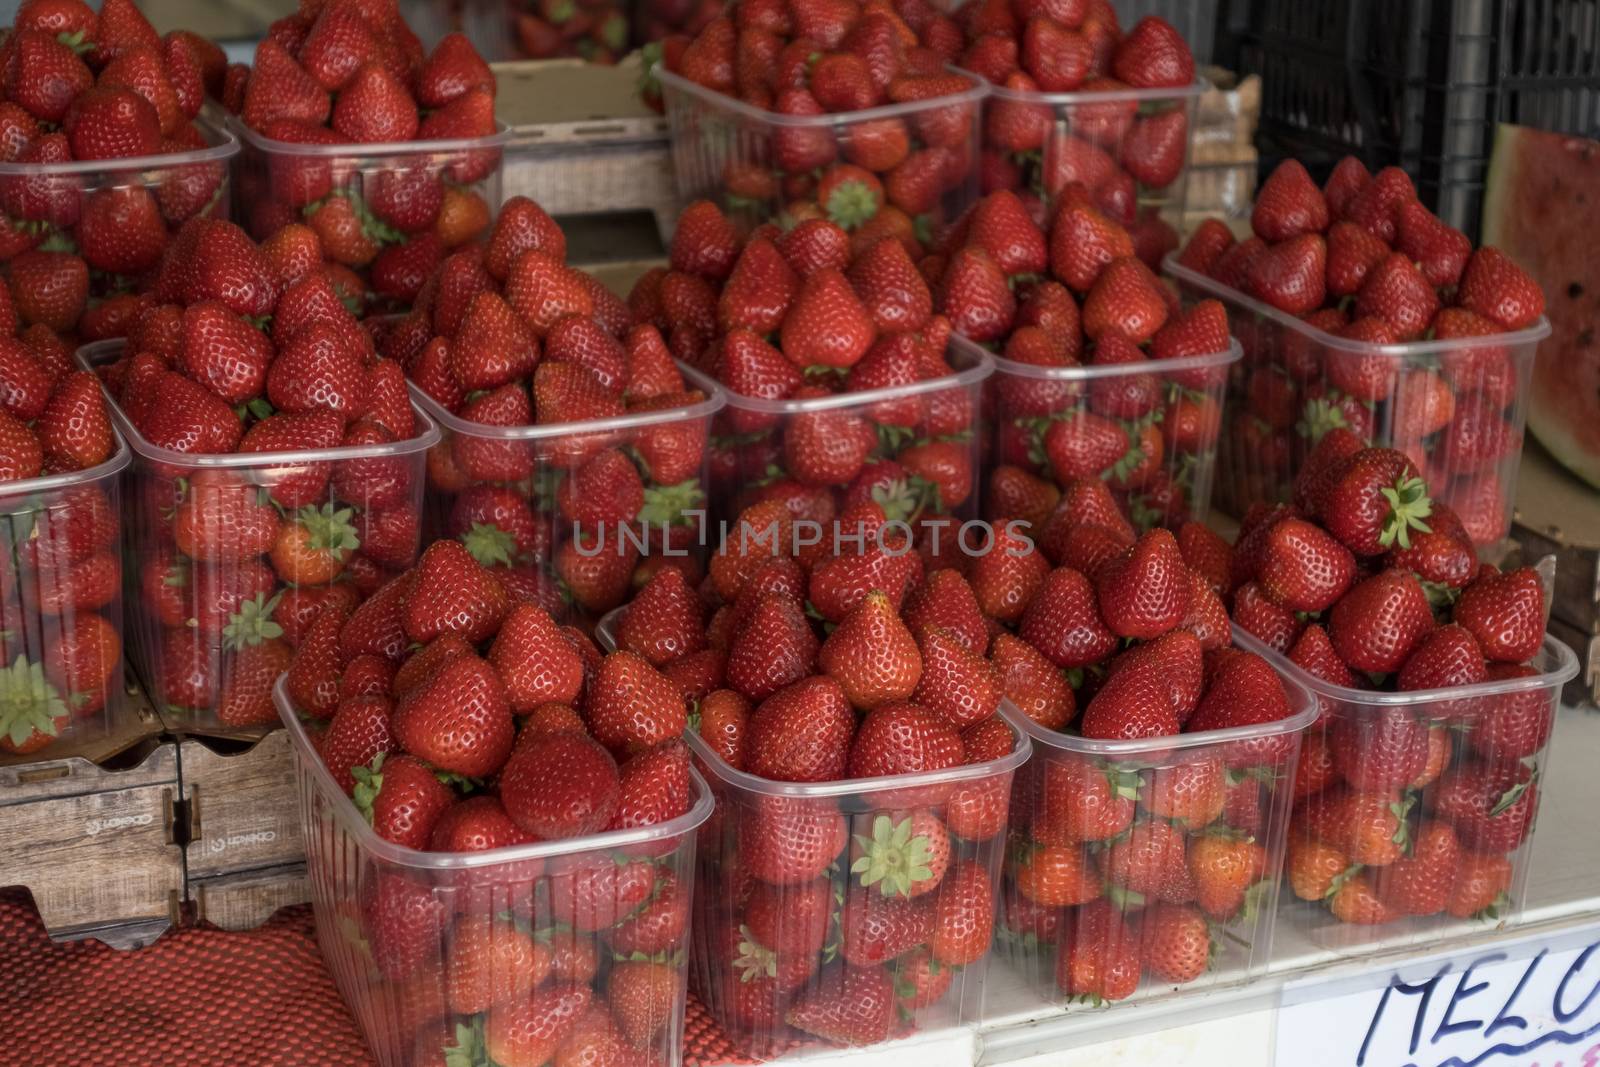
<point x="402" y="798"/>
<point x="1055" y="876"/>
<point x="1303" y="568"/>
<point x="1480" y="886"/>
<point x="1496" y="288"/>
<point x="1128" y="298"/>
<point x="1032" y="683"/>
<point x="1348" y="178"/>
<point x="1380" y="622"/>
<point x="565" y="786"/>
<point x="535" y="664"/>
<point x="1288" y="204"/>
<point x="452" y="593"/>
<point x="457" y="718"/>
<point x="1291" y="276"/>
<point x="1154" y="55"/>
<point x="643" y="996"/>
<point x="899" y="739"/>
<point x="876" y="929"/>
<point x="527" y="1032"/>
<point x="803" y="733"/>
<point x="826" y="326"/>
<point x="1314" y="653"/>
<point x="1505" y="613"/>
<point x="279" y="88"/>
<point x="1063" y="622"/>
<point x="1374" y="501"/>
<point x="975" y="296"/>
<point x="847" y="1006"/>
<point x="492" y="962"/>
<point x="872" y="655"/>
<point x="1492" y="807"/>
<point x="1381" y="751"/>
<point x="1356" y="900"/>
<point x="1145" y="592"/>
<point x="1396" y="291"/>
<point x="1520" y="725"/>
<point x="631" y="705"/>
<point x="774" y="648"/>
<point x="956" y="683"/>
<point x="453" y="69"/>
<point x="790" y="840"/>
<point x="963" y="917"/>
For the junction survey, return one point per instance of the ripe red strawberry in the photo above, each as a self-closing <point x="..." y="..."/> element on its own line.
<point x="826" y="326"/>
<point x="1063" y="622"/>
<point x="803" y="732"/>
<point x="1145" y="592"/>
<point x="1154" y="55"/>
<point x="975" y="296"/>
<point x="1288" y="204"/>
<point x="565" y="786"/>
<point x="1303" y="568"/>
<point x="774" y="648"/>
<point x="1127" y="298"/>
<point x="452" y="593"/>
<point x="1492" y="807"/>
<point x="1505" y="613"/>
<point x="1314" y="653"/>
<point x="1177" y="943"/>
<point x="527" y="1032"/>
<point x="1380" y="622"/>
<point x="457" y="718"/>
<point x="963" y="917"/>
<point x="847" y="1006"/>
<point x="631" y="705"/>
<point x="1496" y="288"/>
<point x="1374" y="501"/>
<point x="957" y="683"/>
<point x="791" y="840"/>
<point x="535" y="663"/>
<point x="402" y="798"/>
<point x="901" y="739"/>
<point x="1396" y="291"/>
<point x="1292" y="275"/>
<point x="872" y="655"/>
<point x="44" y="75"/>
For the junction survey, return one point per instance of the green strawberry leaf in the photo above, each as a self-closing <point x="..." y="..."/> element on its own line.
<point x="893" y="859"/>
<point x="28" y="702"/>
<point x="490" y="545"/>
<point x="252" y="624"/>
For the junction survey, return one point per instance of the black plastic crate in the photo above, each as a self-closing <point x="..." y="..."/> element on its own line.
<point x="1416" y="83"/>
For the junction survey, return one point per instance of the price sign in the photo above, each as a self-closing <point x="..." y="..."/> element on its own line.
<point x="1533" y="1002"/>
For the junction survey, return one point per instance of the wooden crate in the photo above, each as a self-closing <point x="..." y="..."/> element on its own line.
<point x="244" y="900"/>
<point x="582" y="141"/>
<point x="242" y="810"/>
<point x="96" y="845"/>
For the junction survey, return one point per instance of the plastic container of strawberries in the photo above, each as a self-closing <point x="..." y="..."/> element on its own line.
<point x="929" y="427"/>
<point x="510" y="477"/>
<point x="1472" y="811"/>
<point x="197" y="636"/>
<point x="1055" y="895"/>
<point x="61" y="629"/>
<point x="1129" y="147"/>
<point x="1168" y="411"/>
<point x="88" y="203"/>
<point x="389" y="920"/>
<point x="1282" y="398"/>
<point x="715" y="136"/>
<point x="279" y="182"/>
<point x="933" y="979"/>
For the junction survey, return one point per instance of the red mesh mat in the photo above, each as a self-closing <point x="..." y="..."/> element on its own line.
<point x="199" y="996"/>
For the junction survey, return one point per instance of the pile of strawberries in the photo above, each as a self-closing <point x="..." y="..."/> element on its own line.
<point x="1363" y="260"/>
<point x="808" y="314"/>
<point x="461" y="718"/>
<point x="660" y="19"/>
<point x="351" y="73"/>
<point x="800" y="59"/>
<point x="60" y="562"/>
<point x="81" y="86"/>
<point x="595" y="30"/>
<point x="241" y="557"/>
<point x="895" y="880"/>
<point x="507" y="335"/>
<point x="1124" y="147"/>
<point x="1405" y="809"/>
<point x="1016" y="287"/>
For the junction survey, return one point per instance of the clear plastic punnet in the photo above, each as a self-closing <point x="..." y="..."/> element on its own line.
<point x="1458" y="408"/>
<point x="389" y="212"/>
<point x="70" y="223"/>
<point x="221" y="595"/>
<point x="511" y="954"/>
<point x="61" y="607"/>
<point x="1128" y="147"/>
<point x="1166" y="413"/>
<point x="917" y="450"/>
<point x="754" y="163"/>
<point x="800" y="937"/>
<point x="1141" y="869"/>
<point x="1415" y="812"/>
<point x="513" y="495"/>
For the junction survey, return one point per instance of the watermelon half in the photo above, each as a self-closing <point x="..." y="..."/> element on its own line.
<point x="1542" y="207"/>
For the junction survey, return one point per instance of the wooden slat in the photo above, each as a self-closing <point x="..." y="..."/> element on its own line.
<point x="245" y="900"/>
<point x="95" y="846"/>
<point x="243" y="814"/>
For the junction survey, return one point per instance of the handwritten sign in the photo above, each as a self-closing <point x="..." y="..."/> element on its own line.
<point x="1532" y="1002"/>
